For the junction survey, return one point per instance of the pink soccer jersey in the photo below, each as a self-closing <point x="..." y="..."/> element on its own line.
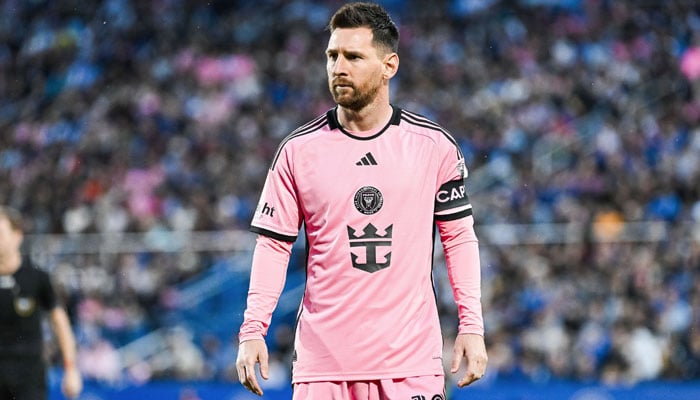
<point x="368" y="203"/>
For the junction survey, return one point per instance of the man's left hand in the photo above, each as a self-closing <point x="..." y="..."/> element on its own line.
<point x="471" y="347"/>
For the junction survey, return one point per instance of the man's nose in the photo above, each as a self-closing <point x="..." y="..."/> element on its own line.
<point x="340" y="66"/>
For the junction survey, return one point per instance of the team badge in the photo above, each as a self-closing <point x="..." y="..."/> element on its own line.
<point x="462" y="168"/>
<point x="368" y="200"/>
<point x="24" y="306"/>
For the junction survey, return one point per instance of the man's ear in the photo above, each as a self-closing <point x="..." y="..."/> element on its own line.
<point x="391" y="65"/>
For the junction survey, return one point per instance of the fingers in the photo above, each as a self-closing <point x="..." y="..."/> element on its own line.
<point x="250" y="353"/>
<point x="472" y="373"/>
<point x="246" y="375"/>
<point x="470" y="347"/>
<point x="468" y="379"/>
<point x="456" y="360"/>
<point x="72" y="384"/>
<point x="264" y="367"/>
<point x="476" y="367"/>
<point x="240" y="371"/>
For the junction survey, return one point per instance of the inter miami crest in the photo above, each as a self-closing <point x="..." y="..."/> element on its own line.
<point x="368" y="200"/>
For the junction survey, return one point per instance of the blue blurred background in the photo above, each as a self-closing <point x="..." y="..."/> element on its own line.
<point x="135" y="136"/>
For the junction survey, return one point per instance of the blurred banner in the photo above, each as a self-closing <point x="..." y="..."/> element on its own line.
<point x="492" y="390"/>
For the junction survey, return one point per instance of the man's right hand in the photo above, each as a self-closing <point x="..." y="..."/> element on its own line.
<point x="72" y="383"/>
<point x="250" y="353"/>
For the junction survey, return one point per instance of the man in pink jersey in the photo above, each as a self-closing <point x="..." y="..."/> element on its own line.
<point x="369" y="182"/>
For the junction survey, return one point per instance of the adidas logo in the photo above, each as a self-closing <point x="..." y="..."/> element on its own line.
<point x="368" y="159"/>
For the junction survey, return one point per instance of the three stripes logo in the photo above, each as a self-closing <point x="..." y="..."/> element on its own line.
<point x="367" y="159"/>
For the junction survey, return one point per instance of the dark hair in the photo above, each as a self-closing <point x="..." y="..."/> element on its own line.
<point x="13" y="216"/>
<point x="370" y="15"/>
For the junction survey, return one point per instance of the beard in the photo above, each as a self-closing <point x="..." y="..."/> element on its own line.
<point x="352" y="97"/>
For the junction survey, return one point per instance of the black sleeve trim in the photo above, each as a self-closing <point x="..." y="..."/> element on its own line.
<point x="274" y="235"/>
<point x="452" y="217"/>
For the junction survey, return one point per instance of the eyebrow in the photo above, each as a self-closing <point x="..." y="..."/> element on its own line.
<point x="345" y="52"/>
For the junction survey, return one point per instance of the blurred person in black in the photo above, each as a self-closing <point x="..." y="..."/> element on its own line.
<point x="25" y="293"/>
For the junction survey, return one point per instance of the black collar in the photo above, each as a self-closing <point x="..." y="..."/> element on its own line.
<point x="333" y="122"/>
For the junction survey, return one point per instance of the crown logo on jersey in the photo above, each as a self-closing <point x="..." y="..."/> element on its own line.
<point x="370" y="232"/>
<point x="370" y="241"/>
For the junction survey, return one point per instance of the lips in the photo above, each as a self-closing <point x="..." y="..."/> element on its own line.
<point x="342" y="84"/>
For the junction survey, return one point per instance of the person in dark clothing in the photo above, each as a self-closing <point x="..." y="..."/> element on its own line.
<point x="26" y="293"/>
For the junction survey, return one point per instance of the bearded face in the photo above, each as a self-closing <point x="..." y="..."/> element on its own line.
<point x="354" y="67"/>
<point x="354" y="96"/>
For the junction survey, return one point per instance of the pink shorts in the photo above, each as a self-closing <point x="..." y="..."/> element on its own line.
<point x="414" y="388"/>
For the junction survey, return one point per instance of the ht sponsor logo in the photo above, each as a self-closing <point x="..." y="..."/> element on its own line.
<point x="370" y="240"/>
<point x="267" y="210"/>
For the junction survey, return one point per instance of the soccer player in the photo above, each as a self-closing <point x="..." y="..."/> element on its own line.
<point x="26" y="291"/>
<point x="369" y="181"/>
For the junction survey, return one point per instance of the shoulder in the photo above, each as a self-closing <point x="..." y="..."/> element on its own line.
<point x="303" y="134"/>
<point x="419" y="124"/>
<point x="31" y="274"/>
<point x="308" y="130"/>
<point x="30" y="268"/>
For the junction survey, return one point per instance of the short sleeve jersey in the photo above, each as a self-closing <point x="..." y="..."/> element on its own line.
<point x="368" y="205"/>
<point x="24" y="296"/>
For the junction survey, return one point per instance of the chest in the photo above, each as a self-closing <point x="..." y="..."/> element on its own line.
<point x="19" y="297"/>
<point x="340" y="171"/>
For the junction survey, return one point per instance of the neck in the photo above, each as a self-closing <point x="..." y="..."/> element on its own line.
<point x="373" y="116"/>
<point x="9" y="263"/>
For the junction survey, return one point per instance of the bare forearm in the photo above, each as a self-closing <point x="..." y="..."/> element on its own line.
<point x="72" y="383"/>
<point x="64" y="336"/>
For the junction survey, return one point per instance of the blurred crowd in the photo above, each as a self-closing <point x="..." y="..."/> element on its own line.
<point x="147" y="116"/>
